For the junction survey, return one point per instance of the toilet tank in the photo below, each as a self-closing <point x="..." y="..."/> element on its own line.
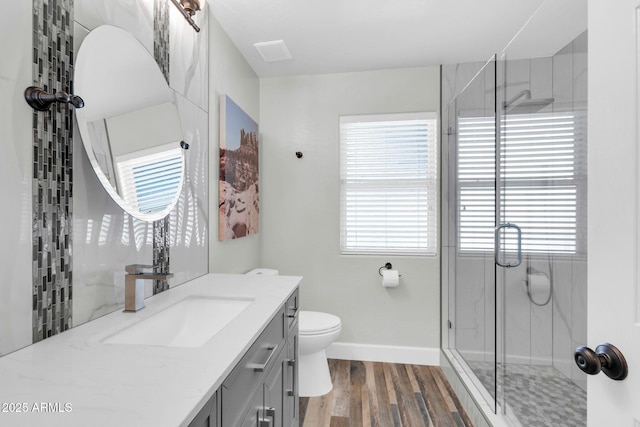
<point x="264" y="271"/>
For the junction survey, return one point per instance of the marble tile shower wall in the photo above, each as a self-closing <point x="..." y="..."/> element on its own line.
<point x="16" y="174"/>
<point x="52" y="171"/>
<point x="570" y="67"/>
<point x="105" y="238"/>
<point x="534" y="335"/>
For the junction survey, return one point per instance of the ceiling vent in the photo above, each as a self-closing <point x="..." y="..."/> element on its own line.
<point x="275" y="50"/>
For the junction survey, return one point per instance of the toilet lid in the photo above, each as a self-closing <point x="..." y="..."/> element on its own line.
<point x="314" y="322"/>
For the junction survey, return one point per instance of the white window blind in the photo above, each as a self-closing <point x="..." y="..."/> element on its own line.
<point x="476" y="183"/>
<point x="543" y="181"/>
<point x="388" y="176"/>
<point x="151" y="182"/>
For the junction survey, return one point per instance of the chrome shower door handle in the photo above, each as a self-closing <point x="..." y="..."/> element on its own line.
<point x="496" y="245"/>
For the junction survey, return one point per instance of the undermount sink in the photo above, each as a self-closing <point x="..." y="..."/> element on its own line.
<point x="188" y="323"/>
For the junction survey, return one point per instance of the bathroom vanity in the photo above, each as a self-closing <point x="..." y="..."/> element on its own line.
<point x="262" y="388"/>
<point x="125" y="369"/>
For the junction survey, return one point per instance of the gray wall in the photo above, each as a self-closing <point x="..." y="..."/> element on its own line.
<point x="230" y="75"/>
<point x="301" y="203"/>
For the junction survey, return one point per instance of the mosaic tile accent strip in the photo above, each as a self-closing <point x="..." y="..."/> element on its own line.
<point x="52" y="170"/>
<point x="161" y="256"/>
<point x="161" y="253"/>
<point x="161" y="35"/>
<point x="539" y="396"/>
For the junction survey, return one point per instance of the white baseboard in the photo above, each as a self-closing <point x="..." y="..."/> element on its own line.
<point x="384" y="353"/>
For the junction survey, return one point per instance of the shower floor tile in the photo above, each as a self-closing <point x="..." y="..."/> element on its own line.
<point x="539" y="396"/>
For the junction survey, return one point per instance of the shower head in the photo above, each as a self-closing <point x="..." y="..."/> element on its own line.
<point x="530" y="106"/>
<point x="517" y="105"/>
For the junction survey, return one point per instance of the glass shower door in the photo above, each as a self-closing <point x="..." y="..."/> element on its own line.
<point x="473" y="304"/>
<point x="541" y="236"/>
<point x="515" y="241"/>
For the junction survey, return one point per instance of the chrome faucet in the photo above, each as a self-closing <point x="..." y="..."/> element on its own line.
<point x="134" y="285"/>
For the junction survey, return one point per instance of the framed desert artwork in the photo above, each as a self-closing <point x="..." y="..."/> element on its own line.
<point x="238" y="199"/>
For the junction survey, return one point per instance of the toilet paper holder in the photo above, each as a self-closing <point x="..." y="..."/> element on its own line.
<point x="388" y="266"/>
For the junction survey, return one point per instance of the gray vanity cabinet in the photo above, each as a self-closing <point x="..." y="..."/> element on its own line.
<point x="262" y="390"/>
<point x="273" y="410"/>
<point x="252" y="394"/>
<point x="291" y="407"/>
<point x="256" y="408"/>
<point x="208" y="416"/>
<point x="264" y="408"/>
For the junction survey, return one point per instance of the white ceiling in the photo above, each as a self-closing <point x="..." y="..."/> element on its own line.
<point x="328" y="36"/>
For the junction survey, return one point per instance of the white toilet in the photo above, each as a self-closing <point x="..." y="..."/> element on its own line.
<point x="316" y="332"/>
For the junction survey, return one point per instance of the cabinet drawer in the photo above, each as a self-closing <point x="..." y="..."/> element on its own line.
<point x="291" y="308"/>
<point x="250" y="371"/>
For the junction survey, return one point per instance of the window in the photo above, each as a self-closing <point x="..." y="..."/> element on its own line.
<point x="543" y="171"/>
<point x="388" y="176"/>
<point x="151" y="179"/>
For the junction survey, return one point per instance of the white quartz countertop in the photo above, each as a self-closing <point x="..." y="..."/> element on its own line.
<point x="74" y="379"/>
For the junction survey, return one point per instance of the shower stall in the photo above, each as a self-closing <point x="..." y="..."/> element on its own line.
<point x="514" y="232"/>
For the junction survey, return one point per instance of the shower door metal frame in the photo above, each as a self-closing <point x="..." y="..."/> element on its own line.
<point x="500" y="271"/>
<point x="490" y="396"/>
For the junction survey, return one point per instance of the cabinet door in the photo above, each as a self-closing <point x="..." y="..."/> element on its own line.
<point x="273" y="394"/>
<point x="253" y="417"/>
<point x="207" y="417"/>
<point x="249" y="374"/>
<point x="291" y="400"/>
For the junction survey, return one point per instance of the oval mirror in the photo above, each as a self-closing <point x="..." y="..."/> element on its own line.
<point x="129" y="125"/>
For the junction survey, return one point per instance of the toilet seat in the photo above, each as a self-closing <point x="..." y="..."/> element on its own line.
<point x="316" y="323"/>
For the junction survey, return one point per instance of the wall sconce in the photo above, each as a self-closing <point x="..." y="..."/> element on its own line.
<point x="188" y="8"/>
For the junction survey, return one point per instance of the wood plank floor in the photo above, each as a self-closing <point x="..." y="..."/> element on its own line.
<point x="372" y="394"/>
